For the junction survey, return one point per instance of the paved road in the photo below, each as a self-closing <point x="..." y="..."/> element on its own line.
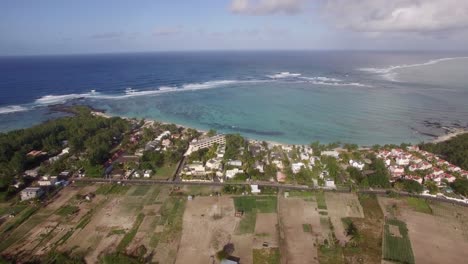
<point x="265" y="184"/>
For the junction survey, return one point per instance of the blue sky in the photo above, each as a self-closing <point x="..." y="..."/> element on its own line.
<point x="85" y="26"/>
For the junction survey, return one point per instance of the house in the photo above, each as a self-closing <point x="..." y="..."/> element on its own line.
<point x="254" y="189"/>
<point x="147" y="173"/>
<point x="47" y="181"/>
<point x="412" y="148"/>
<point x="331" y="153"/>
<point x="397" y="152"/>
<point x="235" y="163"/>
<point x="231" y="173"/>
<point x="383" y="154"/>
<point x="402" y="160"/>
<point x="296" y="167"/>
<point x="454" y="168"/>
<point x="31" y="193"/>
<point x="450" y="178"/>
<point x="414" y="178"/>
<point x="280" y="177"/>
<point x="356" y="164"/>
<point x="437" y="171"/>
<point x="196" y="168"/>
<point x="65" y="174"/>
<point x="259" y="166"/>
<point x="278" y="163"/>
<point x="136" y="174"/>
<point x="213" y="164"/>
<point x="312" y="160"/>
<point x="304" y="156"/>
<point x="396" y="170"/>
<point x="329" y="183"/>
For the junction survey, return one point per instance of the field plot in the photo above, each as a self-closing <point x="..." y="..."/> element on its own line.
<point x="299" y="244"/>
<point x="340" y="205"/>
<point x="440" y="237"/>
<point x="367" y="245"/>
<point x="396" y="243"/>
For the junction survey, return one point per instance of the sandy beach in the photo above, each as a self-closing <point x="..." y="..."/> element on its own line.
<point x="455" y="132"/>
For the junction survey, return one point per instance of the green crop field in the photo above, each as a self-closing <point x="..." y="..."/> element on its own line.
<point x="251" y="205"/>
<point x="397" y="248"/>
<point x="420" y="205"/>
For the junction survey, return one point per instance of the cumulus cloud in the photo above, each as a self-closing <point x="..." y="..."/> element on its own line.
<point x="107" y="35"/>
<point x="266" y="7"/>
<point x="423" y="16"/>
<point x="167" y="31"/>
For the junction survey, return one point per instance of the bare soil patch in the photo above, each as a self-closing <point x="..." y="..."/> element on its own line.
<point x="298" y="246"/>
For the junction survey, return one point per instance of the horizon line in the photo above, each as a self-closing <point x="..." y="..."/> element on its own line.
<point x="228" y="50"/>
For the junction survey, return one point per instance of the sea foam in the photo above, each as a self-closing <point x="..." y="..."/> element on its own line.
<point x="389" y="74"/>
<point x="12" y="109"/>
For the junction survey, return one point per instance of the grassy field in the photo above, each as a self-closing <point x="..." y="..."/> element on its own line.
<point x="251" y="205"/>
<point x="420" y="205"/>
<point x="167" y="171"/>
<point x="67" y="210"/>
<point x="397" y="248"/>
<point x="330" y="254"/>
<point x="266" y="256"/>
<point x="303" y="194"/>
<point x="141" y="190"/>
<point x="171" y="218"/>
<point x="321" y="204"/>
<point x="307" y="228"/>
<point x="106" y="189"/>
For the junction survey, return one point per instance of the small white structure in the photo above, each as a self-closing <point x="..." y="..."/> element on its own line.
<point x="235" y="163"/>
<point x="136" y="174"/>
<point x="278" y="163"/>
<point x="147" y="173"/>
<point x="357" y="164"/>
<point x="296" y="167"/>
<point x="213" y="164"/>
<point x="259" y="166"/>
<point x="254" y="189"/>
<point x="47" y="180"/>
<point x="231" y="173"/>
<point x="331" y="153"/>
<point x="329" y="183"/>
<point x="31" y="193"/>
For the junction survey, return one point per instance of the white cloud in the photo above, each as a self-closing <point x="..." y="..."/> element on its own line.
<point x="423" y="16"/>
<point x="266" y="7"/>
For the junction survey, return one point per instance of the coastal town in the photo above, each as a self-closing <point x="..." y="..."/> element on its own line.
<point x="132" y="186"/>
<point x="153" y="150"/>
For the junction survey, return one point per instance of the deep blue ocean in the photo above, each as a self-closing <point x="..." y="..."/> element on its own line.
<point x="363" y="97"/>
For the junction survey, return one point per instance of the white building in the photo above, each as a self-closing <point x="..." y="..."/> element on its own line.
<point x="47" y="181"/>
<point x="235" y="163"/>
<point x="396" y="170"/>
<point x="31" y="193"/>
<point x="331" y="153"/>
<point x="147" y="174"/>
<point x="231" y="173"/>
<point x="208" y="142"/>
<point x="259" y="166"/>
<point x="278" y="163"/>
<point x="296" y="167"/>
<point x="356" y="164"/>
<point x="254" y="189"/>
<point x="213" y="164"/>
<point x="329" y="183"/>
<point x="402" y="160"/>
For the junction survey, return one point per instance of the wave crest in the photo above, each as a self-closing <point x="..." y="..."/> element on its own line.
<point x="12" y="109"/>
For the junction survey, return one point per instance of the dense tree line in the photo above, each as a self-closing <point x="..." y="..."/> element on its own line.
<point x="91" y="136"/>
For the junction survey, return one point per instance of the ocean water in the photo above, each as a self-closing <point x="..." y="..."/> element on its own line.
<point x="285" y="96"/>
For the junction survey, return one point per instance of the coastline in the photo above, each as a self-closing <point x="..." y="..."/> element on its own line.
<point x="451" y="134"/>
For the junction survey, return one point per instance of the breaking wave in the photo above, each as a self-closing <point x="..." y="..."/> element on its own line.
<point x="282" y="75"/>
<point x="388" y="72"/>
<point x="12" y="109"/>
